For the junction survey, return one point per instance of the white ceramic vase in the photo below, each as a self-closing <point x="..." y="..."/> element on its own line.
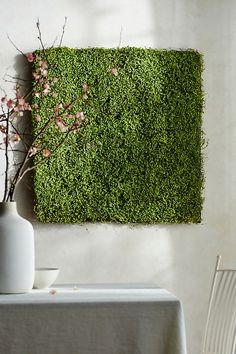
<point x="16" y="251"/>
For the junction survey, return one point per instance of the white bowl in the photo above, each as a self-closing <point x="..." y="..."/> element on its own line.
<point x="44" y="277"/>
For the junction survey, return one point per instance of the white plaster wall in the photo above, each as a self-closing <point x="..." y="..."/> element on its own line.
<point x="178" y="257"/>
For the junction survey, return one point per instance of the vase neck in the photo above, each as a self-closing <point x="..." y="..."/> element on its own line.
<point x="8" y="208"/>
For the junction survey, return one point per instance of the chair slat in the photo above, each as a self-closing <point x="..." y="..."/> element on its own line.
<point x="220" y="333"/>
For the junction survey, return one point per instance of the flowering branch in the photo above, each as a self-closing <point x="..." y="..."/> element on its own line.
<point x="64" y="118"/>
<point x="12" y="111"/>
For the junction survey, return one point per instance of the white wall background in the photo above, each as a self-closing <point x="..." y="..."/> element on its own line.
<point x="180" y="258"/>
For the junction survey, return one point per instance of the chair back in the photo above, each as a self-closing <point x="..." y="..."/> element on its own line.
<point x="220" y="332"/>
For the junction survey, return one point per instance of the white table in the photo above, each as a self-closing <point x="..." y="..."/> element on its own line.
<point x="92" y="319"/>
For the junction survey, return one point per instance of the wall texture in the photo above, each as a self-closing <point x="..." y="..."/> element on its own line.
<point x="180" y="258"/>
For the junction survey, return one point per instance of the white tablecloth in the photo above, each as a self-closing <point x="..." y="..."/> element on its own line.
<point x="95" y="319"/>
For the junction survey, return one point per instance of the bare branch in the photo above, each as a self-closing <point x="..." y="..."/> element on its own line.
<point x="40" y="34"/>
<point x="63" y="32"/>
<point x="121" y="31"/>
<point x="53" y="44"/>
<point x="20" y="51"/>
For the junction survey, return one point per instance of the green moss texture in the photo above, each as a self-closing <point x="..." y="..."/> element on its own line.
<point x="138" y="155"/>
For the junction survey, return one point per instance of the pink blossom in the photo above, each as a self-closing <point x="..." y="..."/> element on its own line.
<point x="114" y="71"/>
<point x="77" y="124"/>
<point x="9" y="103"/>
<point x="60" y="124"/>
<point x="3" y="99"/>
<point x="37" y="57"/>
<point x="80" y="115"/>
<point x="36" y="76"/>
<point x="67" y="106"/>
<point x="37" y="94"/>
<point x="21" y="101"/>
<point x="54" y="80"/>
<point x="46" y="152"/>
<point x="16" y="138"/>
<point x="46" y="89"/>
<point x="36" y="106"/>
<point x="54" y="94"/>
<point x="58" y="108"/>
<point x="85" y="87"/>
<point x="3" y="129"/>
<point x="33" y="150"/>
<point x="30" y="57"/>
<point x="16" y="109"/>
<point x="43" y="64"/>
<point x="27" y="106"/>
<point x="44" y="73"/>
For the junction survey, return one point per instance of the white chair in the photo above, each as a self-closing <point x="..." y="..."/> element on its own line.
<point x="220" y="332"/>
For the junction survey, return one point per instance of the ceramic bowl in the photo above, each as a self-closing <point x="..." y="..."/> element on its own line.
<point x="44" y="277"/>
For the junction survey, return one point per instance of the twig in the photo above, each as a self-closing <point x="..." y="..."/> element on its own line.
<point x="20" y="51"/>
<point x="121" y="30"/>
<point x="6" y="160"/>
<point x="54" y="42"/>
<point x="63" y="32"/>
<point x="40" y="35"/>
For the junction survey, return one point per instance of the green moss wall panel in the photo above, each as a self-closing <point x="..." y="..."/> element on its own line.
<point x="138" y="155"/>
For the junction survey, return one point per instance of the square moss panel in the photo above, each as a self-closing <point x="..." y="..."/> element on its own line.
<point x="137" y="157"/>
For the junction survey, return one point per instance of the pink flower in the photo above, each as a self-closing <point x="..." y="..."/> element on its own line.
<point x="21" y="101"/>
<point x="80" y="115"/>
<point x="16" y="138"/>
<point x="60" y="124"/>
<point x="54" y="94"/>
<point x="114" y="71"/>
<point x="3" y="129"/>
<point x="30" y="57"/>
<point x="46" y="89"/>
<point x="54" y="80"/>
<point x="58" y="108"/>
<point x="33" y="150"/>
<point x="38" y="118"/>
<point x="16" y="109"/>
<point x="3" y="99"/>
<point x="36" y="76"/>
<point x="44" y="73"/>
<point x="85" y="87"/>
<point x="43" y="64"/>
<point x="77" y="124"/>
<point x="9" y="103"/>
<point x="36" y="106"/>
<point x="27" y="107"/>
<point x="46" y="153"/>
<point x="67" y="106"/>
<point x="37" y="94"/>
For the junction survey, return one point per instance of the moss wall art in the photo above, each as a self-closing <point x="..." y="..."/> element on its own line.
<point x="137" y="157"/>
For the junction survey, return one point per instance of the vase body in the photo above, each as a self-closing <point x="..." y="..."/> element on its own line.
<point x="16" y="251"/>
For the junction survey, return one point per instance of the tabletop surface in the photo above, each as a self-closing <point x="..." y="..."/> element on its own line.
<point x="91" y="293"/>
